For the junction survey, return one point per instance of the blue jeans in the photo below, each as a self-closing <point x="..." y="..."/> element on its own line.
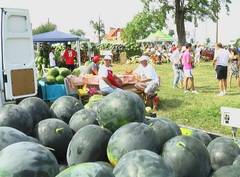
<point x="177" y="75"/>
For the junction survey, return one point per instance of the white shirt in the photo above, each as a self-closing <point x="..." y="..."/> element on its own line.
<point x="222" y="56"/>
<point x="52" y="59"/>
<point x="103" y="72"/>
<point x="175" y="57"/>
<point x="147" y="72"/>
<point x="198" y="51"/>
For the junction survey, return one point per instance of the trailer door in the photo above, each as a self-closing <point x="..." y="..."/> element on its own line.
<point x="18" y="67"/>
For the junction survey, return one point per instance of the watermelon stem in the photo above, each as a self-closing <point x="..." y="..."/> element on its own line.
<point x="59" y="130"/>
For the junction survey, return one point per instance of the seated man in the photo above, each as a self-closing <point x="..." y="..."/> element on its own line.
<point x="108" y="82"/>
<point x="148" y="80"/>
<point x="93" y="67"/>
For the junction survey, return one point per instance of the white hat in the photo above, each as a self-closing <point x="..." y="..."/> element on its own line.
<point x="143" y="57"/>
<point x="107" y="57"/>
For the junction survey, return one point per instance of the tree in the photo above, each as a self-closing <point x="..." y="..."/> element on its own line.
<point x="186" y="10"/>
<point x="143" y="24"/>
<point x="99" y="28"/>
<point x="44" y="28"/>
<point x="77" y="32"/>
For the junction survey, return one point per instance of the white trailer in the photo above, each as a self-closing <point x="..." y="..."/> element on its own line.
<point x="17" y="67"/>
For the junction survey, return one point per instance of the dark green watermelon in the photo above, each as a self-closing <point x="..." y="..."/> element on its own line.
<point x="227" y="171"/>
<point x="187" y="156"/>
<point x="16" y="117"/>
<point x="236" y="162"/>
<point x="119" y="108"/>
<point x="131" y="137"/>
<point x="142" y="163"/>
<point x="10" y="135"/>
<point x="90" y="169"/>
<point x="172" y="124"/>
<point x="163" y="129"/>
<point x="56" y="134"/>
<point x="202" y="136"/>
<point x="37" y="108"/>
<point x="223" y="152"/>
<point x="27" y="159"/>
<point x="64" y="107"/>
<point x="89" y="144"/>
<point x="82" y="118"/>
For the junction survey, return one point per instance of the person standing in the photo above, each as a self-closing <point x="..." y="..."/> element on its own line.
<point x="197" y="55"/>
<point x="187" y="69"/>
<point x="176" y="66"/>
<point x="93" y="67"/>
<point x="69" y="55"/>
<point x="52" y="61"/>
<point x="220" y="63"/>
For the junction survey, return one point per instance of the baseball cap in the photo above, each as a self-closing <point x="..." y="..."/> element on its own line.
<point x="96" y="59"/>
<point x="144" y="57"/>
<point x="107" y="57"/>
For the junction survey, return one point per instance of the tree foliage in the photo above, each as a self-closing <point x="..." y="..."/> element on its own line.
<point x="143" y="24"/>
<point x="46" y="27"/>
<point x="187" y="10"/>
<point x="99" y="28"/>
<point x="78" y="32"/>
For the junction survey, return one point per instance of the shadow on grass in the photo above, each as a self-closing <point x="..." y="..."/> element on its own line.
<point x="167" y="104"/>
<point x="207" y="89"/>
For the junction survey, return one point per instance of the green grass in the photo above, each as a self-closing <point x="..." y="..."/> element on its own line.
<point x="199" y="111"/>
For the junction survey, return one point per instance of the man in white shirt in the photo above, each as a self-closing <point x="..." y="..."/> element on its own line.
<point x="52" y="61"/>
<point x="148" y="78"/>
<point x="220" y="62"/>
<point x="107" y="81"/>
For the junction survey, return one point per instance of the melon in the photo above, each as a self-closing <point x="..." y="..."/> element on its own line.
<point x="27" y="159"/>
<point x="55" y="134"/>
<point x="53" y="72"/>
<point x="119" y="108"/>
<point x="163" y="130"/>
<point x="64" y="107"/>
<point x="236" y="162"/>
<point x="131" y="137"/>
<point x="89" y="144"/>
<point x="89" y="169"/>
<point x="82" y="118"/>
<point x="187" y="156"/>
<point x="50" y="79"/>
<point x="142" y="163"/>
<point x="64" y="72"/>
<point x="16" y="117"/>
<point x="223" y="152"/>
<point x="10" y="135"/>
<point x="37" y="108"/>
<point x="227" y="171"/>
<point x="60" y="79"/>
<point x="202" y="136"/>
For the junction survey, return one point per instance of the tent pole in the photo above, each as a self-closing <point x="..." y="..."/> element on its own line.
<point x="78" y="54"/>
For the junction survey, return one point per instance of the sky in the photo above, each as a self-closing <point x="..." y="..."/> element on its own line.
<point x="76" y="14"/>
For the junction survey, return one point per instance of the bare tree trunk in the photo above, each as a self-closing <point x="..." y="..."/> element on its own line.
<point x="179" y="20"/>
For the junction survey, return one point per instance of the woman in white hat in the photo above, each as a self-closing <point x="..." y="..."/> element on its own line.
<point x="108" y="82"/>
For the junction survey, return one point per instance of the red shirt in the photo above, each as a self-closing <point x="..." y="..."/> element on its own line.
<point x="69" y="56"/>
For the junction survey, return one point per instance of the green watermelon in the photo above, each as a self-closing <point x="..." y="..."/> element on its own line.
<point x="187" y="156"/>
<point x="202" y="136"/>
<point x="27" y="159"/>
<point x="93" y="101"/>
<point x="60" y="79"/>
<point x="119" y="108"/>
<point x="16" y="117"/>
<point x="82" y="118"/>
<point x="76" y="72"/>
<point x="64" y="72"/>
<point x="53" y="72"/>
<point x="56" y="134"/>
<point x="163" y="130"/>
<point x="10" y="135"/>
<point x="130" y="137"/>
<point x="64" y="107"/>
<point x="89" y="144"/>
<point x="142" y="163"/>
<point x="236" y="162"/>
<point x="50" y="79"/>
<point x="37" y="108"/>
<point x="227" y="171"/>
<point x="90" y="169"/>
<point x="223" y="152"/>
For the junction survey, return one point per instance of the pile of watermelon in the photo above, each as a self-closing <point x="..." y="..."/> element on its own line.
<point x="110" y="137"/>
<point x="57" y="75"/>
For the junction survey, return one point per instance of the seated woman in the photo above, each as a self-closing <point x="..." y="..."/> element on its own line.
<point x="93" y="67"/>
<point x="108" y="82"/>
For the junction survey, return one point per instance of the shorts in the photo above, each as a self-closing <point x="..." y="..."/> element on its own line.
<point x="221" y="72"/>
<point x="70" y="67"/>
<point x="187" y="73"/>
